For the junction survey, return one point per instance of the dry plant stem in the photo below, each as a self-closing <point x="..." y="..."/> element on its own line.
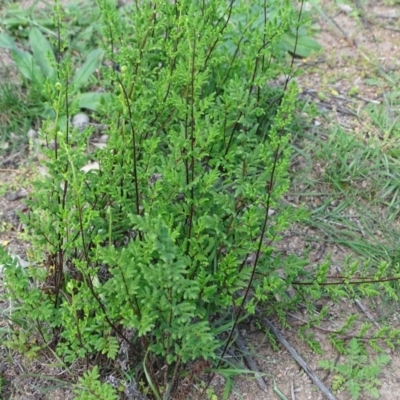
<point x="250" y="362"/>
<point x="8" y="159"/>
<point x="269" y="188"/>
<point x="367" y="313"/>
<point x="337" y="333"/>
<point x="361" y="306"/>
<point x="8" y="170"/>
<point x="391" y="28"/>
<point x="334" y="24"/>
<point x="337" y="108"/>
<point x="368" y="100"/>
<point x="329" y="372"/>
<point x="292" y="389"/>
<point x="320" y="252"/>
<point x="236" y="357"/>
<point x="18" y="364"/>
<point x="339" y="280"/>
<point x="297" y="358"/>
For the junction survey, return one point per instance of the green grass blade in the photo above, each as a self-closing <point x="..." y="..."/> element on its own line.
<point x="43" y="53"/>
<point x="27" y="66"/>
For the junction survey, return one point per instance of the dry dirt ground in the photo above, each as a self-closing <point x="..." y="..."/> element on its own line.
<point x="359" y="40"/>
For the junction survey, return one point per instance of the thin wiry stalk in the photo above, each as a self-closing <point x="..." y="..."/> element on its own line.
<point x="235" y="54"/>
<point x="172" y="64"/>
<point x="184" y="151"/>
<point x="236" y="126"/>
<point x="269" y="189"/>
<point x="264" y="45"/>
<point x="342" y="280"/>
<point x="295" y="42"/>
<point x="192" y="143"/>
<point x="88" y="280"/>
<point x="134" y="147"/>
<point x="58" y="272"/>
<point x="136" y="71"/>
<point x="230" y="8"/>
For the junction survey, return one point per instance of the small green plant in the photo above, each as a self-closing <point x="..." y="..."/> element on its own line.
<point x="354" y="91"/>
<point x="38" y="66"/>
<point x="90" y="387"/>
<point x="32" y="38"/>
<point x="358" y="373"/>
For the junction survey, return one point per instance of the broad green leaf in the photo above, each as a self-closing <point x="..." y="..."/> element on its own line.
<point x="7" y="42"/>
<point x="305" y="45"/>
<point x="62" y="123"/>
<point x="91" y="100"/>
<point x="42" y="53"/>
<point x="27" y="66"/>
<point x="14" y="22"/>
<point x="93" y="61"/>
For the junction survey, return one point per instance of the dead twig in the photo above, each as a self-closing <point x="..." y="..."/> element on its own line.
<point x="367" y="313"/>
<point x="330" y="371"/>
<point x="297" y="358"/>
<point x="329" y="105"/>
<point x="292" y="389"/>
<point x="336" y="107"/>
<point x="335" y="25"/>
<point x="10" y="158"/>
<point x="331" y="331"/>
<point x="391" y="28"/>
<point x="241" y="344"/>
<point x="18" y="364"/>
<point x="320" y="252"/>
<point x="368" y="100"/>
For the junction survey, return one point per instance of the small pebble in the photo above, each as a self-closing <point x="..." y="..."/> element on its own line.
<point x="19" y="194"/>
<point x="345" y="8"/>
<point x="103" y="139"/>
<point x="80" y="121"/>
<point x="32" y="134"/>
<point x="90" y="166"/>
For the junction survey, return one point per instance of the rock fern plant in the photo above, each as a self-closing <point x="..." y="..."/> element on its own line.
<point x="150" y="256"/>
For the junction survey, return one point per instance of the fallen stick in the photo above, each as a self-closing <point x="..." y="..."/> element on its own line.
<point x="367" y="313"/>
<point x="250" y="362"/>
<point x="292" y="389"/>
<point x="298" y="359"/>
